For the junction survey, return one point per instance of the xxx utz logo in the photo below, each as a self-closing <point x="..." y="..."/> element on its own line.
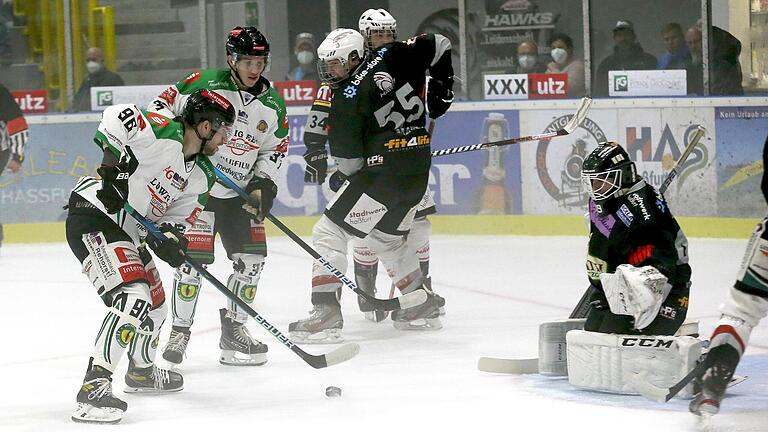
<point x="559" y="167"/>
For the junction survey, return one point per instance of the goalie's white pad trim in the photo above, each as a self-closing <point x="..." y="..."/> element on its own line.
<point x="636" y="291"/>
<point x="613" y="362"/>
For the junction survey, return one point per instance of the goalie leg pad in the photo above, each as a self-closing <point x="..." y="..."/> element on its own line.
<point x="552" y="346"/>
<point x="612" y="362"/>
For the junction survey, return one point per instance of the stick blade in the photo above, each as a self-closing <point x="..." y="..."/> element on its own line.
<point x="650" y="391"/>
<point x="508" y="366"/>
<point x="339" y="355"/>
<point x="579" y="116"/>
<point x="413" y="298"/>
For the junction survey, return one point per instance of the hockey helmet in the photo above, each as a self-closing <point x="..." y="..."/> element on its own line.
<point x="607" y="171"/>
<point x="247" y="41"/>
<point x="209" y="105"/>
<point x="376" y="20"/>
<point x="336" y="53"/>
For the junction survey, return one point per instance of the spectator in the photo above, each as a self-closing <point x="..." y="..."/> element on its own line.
<point x="678" y="56"/>
<point x="725" y="70"/>
<point x="627" y="55"/>
<point x="564" y="61"/>
<point x="98" y="76"/>
<point x="694" y="71"/>
<point x="304" y="50"/>
<point x="528" y="60"/>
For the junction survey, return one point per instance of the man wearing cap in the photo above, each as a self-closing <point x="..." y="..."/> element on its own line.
<point x="304" y="50"/>
<point x="627" y="55"/>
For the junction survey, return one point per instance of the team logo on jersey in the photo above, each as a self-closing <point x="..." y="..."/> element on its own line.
<point x="157" y="119"/>
<point x="625" y="215"/>
<point x="384" y="82"/>
<point x="637" y="201"/>
<point x="124" y="334"/>
<point x="262" y="126"/>
<point x="192" y="77"/>
<point x="158" y="204"/>
<point x="350" y="92"/>
<point x="187" y="292"/>
<point x="248" y="293"/>
<point x="177" y="181"/>
<point x="242" y="117"/>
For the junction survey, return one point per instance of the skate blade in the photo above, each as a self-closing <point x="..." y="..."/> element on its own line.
<point x="376" y="316"/>
<point x="328" y="336"/>
<point x="422" y="324"/>
<point x="86" y="413"/>
<point x="130" y="389"/>
<point x="236" y="358"/>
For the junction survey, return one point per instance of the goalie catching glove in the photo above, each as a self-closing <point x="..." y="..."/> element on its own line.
<point x="114" y="182"/>
<point x="262" y="192"/>
<point x="636" y="291"/>
<point x="172" y="249"/>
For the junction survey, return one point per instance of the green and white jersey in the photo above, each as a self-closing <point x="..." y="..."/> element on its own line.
<point x="164" y="187"/>
<point x="260" y="134"/>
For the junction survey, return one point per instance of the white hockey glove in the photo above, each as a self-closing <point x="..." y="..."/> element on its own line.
<point x="636" y="291"/>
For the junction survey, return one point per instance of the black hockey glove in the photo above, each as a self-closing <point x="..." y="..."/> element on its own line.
<point x="439" y="96"/>
<point x="172" y="249"/>
<point x="317" y="166"/>
<point x="336" y="181"/>
<point x="263" y="192"/>
<point x="114" y="182"/>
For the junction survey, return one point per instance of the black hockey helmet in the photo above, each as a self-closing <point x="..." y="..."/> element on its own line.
<point x="247" y="41"/>
<point x="208" y="105"/>
<point x="607" y="171"/>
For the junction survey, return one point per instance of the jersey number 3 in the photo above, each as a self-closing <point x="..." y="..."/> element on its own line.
<point x="407" y="100"/>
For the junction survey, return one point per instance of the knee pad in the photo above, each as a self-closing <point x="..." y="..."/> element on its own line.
<point x="613" y="362"/>
<point x="400" y="262"/>
<point x="186" y="289"/>
<point x="362" y="254"/>
<point x="130" y="307"/>
<point x="418" y="238"/>
<point x="111" y="265"/>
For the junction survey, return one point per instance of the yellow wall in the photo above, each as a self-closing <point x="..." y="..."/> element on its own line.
<point x="452" y="225"/>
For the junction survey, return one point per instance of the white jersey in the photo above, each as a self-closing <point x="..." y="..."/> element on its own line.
<point x="164" y="187"/>
<point x="260" y="132"/>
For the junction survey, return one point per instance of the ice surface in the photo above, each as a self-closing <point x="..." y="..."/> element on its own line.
<point x="498" y="290"/>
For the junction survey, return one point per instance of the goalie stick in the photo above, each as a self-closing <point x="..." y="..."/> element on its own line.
<point x="340" y="354"/>
<point x="573" y="123"/>
<point x="524" y="366"/>
<point x="664" y="394"/>
<point x="413" y="298"/>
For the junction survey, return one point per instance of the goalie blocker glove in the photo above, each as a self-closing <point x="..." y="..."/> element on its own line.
<point x="263" y="192"/>
<point x="172" y="249"/>
<point x="114" y="179"/>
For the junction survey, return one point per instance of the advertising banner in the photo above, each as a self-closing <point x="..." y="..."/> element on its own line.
<point x="32" y="101"/>
<point x="654" y="139"/>
<point x="741" y="134"/>
<point x="141" y="96"/>
<point x="525" y="86"/>
<point x="630" y="83"/>
<point x="296" y="92"/>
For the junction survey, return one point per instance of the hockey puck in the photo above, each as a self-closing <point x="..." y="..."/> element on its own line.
<point x="332" y="392"/>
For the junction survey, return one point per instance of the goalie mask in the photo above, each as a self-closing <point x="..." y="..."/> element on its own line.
<point x="607" y="171"/>
<point x="379" y="22"/>
<point x="339" y="54"/>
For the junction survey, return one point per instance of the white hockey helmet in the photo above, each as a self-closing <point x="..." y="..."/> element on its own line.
<point x="339" y="49"/>
<point x="377" y="20"/>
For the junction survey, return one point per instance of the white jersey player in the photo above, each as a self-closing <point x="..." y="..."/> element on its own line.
<point x="156" y="165"/>
<point x="251" y="159"/>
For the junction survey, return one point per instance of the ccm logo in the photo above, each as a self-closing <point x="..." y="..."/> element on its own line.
<point x="545" y="86"/>
<point x="646" y="342"/>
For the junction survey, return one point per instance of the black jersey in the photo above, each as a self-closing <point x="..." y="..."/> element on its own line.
<point x="637" y="229"/>
<point x="378" y="113"/>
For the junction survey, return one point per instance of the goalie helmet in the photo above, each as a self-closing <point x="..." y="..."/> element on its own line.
<point x="607" y="171"/>
<point x="336" y="54"/>
<point x="209" y="105"/>
<point x="376" y="20"/>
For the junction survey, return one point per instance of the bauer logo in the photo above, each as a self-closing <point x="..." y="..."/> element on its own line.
<point x="125" y="334"/>
<point x="104" y="98"/>
<point x="620" y="83"/>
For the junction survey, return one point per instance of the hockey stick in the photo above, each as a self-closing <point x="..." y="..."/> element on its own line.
<point x="340" y="354"/>
<point x="413" y="298"/>
<point x="508" y="366"/>
<point x="582" y="307"/>
<point x="573" y="123"/>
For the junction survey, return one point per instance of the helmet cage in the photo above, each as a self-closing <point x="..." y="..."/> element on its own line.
<point x="603" y="184"/>
<point x="376" y="21"/>
<point x="328" y="70"/>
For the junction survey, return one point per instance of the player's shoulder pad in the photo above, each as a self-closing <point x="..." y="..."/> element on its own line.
<point x="206" y="166"/>
<point x="165" y="128"/>
<point x="211" y="79"/>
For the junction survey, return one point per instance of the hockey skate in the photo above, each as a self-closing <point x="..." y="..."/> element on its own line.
<point x="365" y="276"/>
<point x="323" y="326"/>
<point x="710" y="387"/>
<point x="152" y="380"/>
<point x="95" y="401"/>
<point x="176" y="348"/>
<point x="425" y="316"/>
<point x="238" y="347"/>
<point x="439" y="298"/>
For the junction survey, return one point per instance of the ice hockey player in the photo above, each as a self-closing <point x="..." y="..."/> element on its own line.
<point x="379" y="28"/>
<point x="378" y="139"/>
<point x="251" y="159"/>
<point x="13" y="136"/>
<point x="159" y="166"/>
<point x="746" y="303"/>
<point x="638" y="264"/>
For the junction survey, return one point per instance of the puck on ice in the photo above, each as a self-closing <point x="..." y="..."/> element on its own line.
<point x="332" y="392"/>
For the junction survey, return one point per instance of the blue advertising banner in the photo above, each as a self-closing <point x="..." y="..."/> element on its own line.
<point x="741" y="133"/>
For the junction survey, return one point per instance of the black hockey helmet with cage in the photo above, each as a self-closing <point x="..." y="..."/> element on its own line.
<point x="607" y="171"/>
<point x="247" y="41"/>
<point x="208" y="105"/>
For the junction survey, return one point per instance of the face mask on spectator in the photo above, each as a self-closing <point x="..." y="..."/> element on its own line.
<point x="559" y="55"/>
<point x="92" y="66"/>
<point x="305" y="57"/>
<point x="527" y="61"/>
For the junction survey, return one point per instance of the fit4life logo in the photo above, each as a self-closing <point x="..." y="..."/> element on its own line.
<point x="32" y="101"/>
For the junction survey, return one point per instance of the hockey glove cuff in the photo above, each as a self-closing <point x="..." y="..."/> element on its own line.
<point x="262" y="192"/>
<point x="172" y="249"/>
<point x="317" y="166"/>
<point x="114" y="182"/>
<point x="439" y="96"/>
